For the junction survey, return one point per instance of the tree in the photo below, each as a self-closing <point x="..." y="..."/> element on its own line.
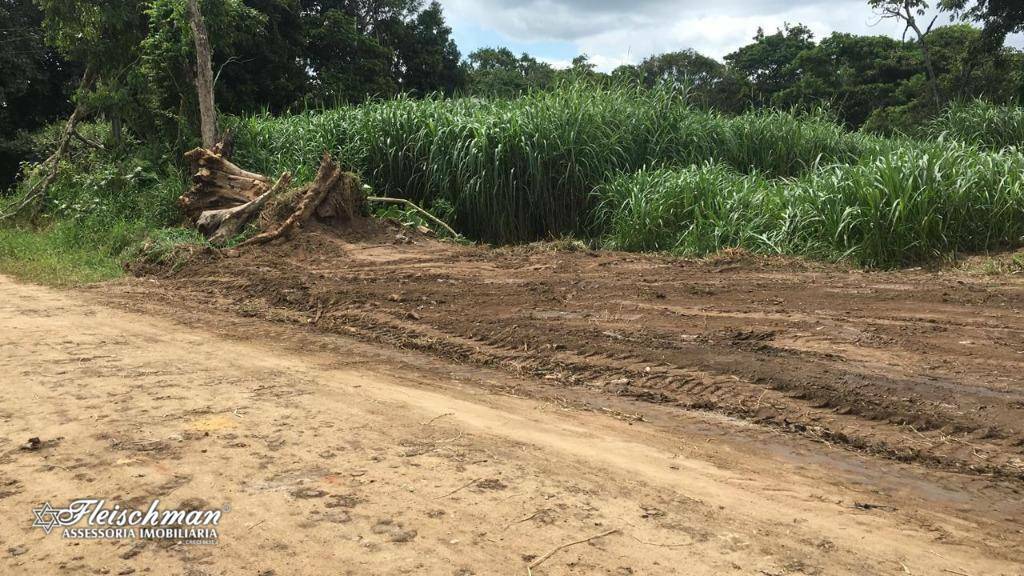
<point x="429" y="60"/>
<point x="767" y="63"/>
<point x="853" y="75"/>
<point x="708" y="82"/>
<point x="582" y="65"/>
<point x="686" y="68"/>
<point x="965" y="73"/>
<point x="35" y="83"/>
<point x="907" y="11"/>
<point x="361" y="48"/>
<point x="105" y="37"/>
<point x="999" y="17"/>
<point x="167" y="68"/>
<point x="204" y="75"/>
<point x="345" y="64"/>
<point x="259" y="56"/>
<point x="628" y="75"/>
<point x="497" y="72"/>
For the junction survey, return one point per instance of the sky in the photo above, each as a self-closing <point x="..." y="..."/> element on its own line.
<point x="615" y="32"/>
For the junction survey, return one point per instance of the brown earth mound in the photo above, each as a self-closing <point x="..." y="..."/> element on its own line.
<point x="913" y="365"/>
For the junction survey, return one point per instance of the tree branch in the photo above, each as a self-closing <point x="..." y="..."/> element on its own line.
<point x="409" y="204"/>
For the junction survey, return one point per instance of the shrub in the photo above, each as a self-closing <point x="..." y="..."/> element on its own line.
<point x="915" y="204"/>
<point x="912" y="205"/>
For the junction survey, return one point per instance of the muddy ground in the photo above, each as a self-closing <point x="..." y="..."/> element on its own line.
<point x="912" y="365"/>
<point x="382" y="403"/>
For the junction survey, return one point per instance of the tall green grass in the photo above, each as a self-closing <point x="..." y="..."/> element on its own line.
<point x="915" y="204"/>
<point x="694" y="210"/>
<point x="982" y="124"/>
<point x="527" y="168"/>
<point x="641" y="169"/>
<point x="912" y="205"/>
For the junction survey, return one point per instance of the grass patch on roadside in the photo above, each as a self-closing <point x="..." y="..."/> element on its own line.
<point x="510" y="171"/>
<point x="42" y="256"/>
<point x="623" y="168"/>
<point x="98" y="212"/>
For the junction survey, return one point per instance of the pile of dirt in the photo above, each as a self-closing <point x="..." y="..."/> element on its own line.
<point x="912" y="365"/>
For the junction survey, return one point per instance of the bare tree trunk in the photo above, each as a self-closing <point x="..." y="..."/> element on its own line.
<point x="933" y="80"/>
<point x="204" y="75"/>
<point x="116" y="131"/>
<point x="929" y="67"/>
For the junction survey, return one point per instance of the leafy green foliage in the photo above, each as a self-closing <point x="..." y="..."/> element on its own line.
<point x="999" y="17"/>
<point x="653" y="155"/>
<point x="707" y="82"/>
<point x="496" y="72"/>
<point x="359" y="49"/>
<point x="34" y="83"/>
<point x="767" y="63"/>
<point x="696" y="210"/>
<point x="854" y="75"/>
<point x="99" y="208"/>
<point x="913" y="204"/>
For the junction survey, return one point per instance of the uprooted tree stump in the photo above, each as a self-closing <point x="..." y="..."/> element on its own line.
<point x="218" y="184"/>
<point x="224" y="199"/>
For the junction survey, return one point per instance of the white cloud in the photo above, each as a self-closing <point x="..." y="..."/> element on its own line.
<point x="613" y="32"/>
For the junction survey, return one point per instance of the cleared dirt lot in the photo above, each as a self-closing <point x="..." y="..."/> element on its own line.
<point x="735" y="416"/>
<point x="915" y="366"/>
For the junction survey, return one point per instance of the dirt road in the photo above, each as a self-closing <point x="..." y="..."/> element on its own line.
<point x="335" y="456"/>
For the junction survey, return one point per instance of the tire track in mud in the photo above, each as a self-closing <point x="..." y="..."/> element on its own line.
<point x="635" y="377"/>
<point x="563" y="318"/>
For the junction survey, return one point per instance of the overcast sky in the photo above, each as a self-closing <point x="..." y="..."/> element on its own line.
<point x="615" y="32"/>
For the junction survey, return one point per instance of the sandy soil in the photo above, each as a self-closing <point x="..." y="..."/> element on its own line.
<point x="724" y="417"/>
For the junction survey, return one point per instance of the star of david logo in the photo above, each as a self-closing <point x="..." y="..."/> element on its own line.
<point x="46" y="518"/>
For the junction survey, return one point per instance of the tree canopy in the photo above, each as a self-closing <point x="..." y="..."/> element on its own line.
<point x="286" y="55"/>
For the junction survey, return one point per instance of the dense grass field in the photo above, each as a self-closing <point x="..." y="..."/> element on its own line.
<point x="508" y="171"/>
<point x="625" y="168"/>
<point x="643" y="170"/>
<point x="912" y="204"/>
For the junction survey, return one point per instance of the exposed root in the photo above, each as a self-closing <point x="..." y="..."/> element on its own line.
<point x="334" y="194"/>
<point x="219" y="184"/>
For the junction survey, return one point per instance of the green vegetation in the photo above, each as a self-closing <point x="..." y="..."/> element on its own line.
<point x="695" y="210"/>
<point x="517" y="170"/>
<point x="912" y="205"/>
<point x="872" y="149"/>
<point x="981" y="124"/>
<point x="54" y="256"/>
<point x="915" y="204"/>
<point x="99" y="209"/>
<point x="638" y="169"/>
